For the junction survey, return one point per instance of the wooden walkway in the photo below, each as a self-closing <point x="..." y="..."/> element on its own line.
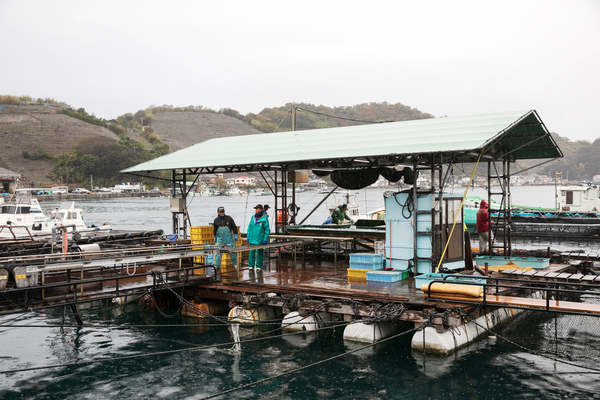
<point x="550" y="275"/>
<point x="542" y="304"/>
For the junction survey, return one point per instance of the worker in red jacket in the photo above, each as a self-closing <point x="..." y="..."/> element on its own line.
<point x="483" y="227"/>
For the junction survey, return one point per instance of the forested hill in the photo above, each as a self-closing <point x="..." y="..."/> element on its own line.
<point x="310" y="116"/>
<point x="181" y="127"/>
<point x="580" y="161"/>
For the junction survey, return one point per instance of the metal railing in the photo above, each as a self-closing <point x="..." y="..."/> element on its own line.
<point x="547" y="287"/>
<point x="25" y="303"/>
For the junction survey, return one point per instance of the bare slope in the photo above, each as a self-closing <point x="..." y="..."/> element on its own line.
<point x="25" y="127"/>
<point x="180" y="129"/>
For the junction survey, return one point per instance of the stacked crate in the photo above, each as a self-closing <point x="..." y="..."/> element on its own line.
<point x="202" y="237"/>
<point x="360" y="264"/>
<point x="379" y="247"/>
<point x="387" y="276"/>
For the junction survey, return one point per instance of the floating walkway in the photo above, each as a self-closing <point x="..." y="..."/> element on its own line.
<point x="285" y="287"/>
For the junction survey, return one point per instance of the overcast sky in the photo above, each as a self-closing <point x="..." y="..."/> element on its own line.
<point x="443" y="57"/>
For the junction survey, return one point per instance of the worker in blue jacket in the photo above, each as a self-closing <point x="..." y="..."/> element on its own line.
<point x="226" y="233"/>
<point x="258" y="233"/>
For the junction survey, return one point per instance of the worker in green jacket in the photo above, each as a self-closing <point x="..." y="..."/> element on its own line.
<point x="339" y="215"/>
<point x="258" y="233"/>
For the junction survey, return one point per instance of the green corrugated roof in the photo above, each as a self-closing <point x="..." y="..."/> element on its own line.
<point x="510" y="135"/>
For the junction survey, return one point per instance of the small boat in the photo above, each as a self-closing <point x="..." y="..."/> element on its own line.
<point x="205" y="193"/>
<point x="26" y="212"/>
<point x="29" y="216"/>
<point x="73" y="217"/>
<point x="234" y="192"/>
<point x="372" y="218"/>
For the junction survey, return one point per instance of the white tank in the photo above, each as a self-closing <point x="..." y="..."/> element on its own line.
<point x="241" y="315"/>
<point x="294" y="322"/>
<point x="370" y="333"/>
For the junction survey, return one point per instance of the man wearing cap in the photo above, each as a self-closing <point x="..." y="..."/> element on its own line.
<point x="266" y="210"/>
<point x="226" y="233"/>
<point x="339" y="215"/>
<point x="258" y="233"/>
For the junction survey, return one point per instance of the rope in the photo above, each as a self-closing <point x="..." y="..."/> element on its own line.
<point x="460" y="208"/>
<point x="294" y="370"/>
<point x="346" y="119"/>
<point x="166" y="352"/>
<point x="285" y="116"/>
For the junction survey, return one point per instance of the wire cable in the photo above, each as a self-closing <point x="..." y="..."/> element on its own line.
<point x="344" y="118"/>
<point x="158" y="353"/>
<point x="294" y="370"/>
<point x="288" y="113"/>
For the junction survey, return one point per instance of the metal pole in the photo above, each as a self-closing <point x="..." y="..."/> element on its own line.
<point x="293" y="118"/>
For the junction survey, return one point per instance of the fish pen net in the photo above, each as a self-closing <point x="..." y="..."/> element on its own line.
<point x="569" y="338"/>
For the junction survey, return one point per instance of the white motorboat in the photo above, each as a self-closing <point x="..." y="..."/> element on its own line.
<point x="25" y="212"/>
<point x="234" y="192"/>
<point x="351" y="210"/>
<point x="74" y="217"/>
<point x="29" y="216"/>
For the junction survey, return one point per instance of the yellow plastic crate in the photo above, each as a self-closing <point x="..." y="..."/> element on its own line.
<point x="358" y="273"/>
<point x="201" y="230"/>
<point x="359" y="281"/>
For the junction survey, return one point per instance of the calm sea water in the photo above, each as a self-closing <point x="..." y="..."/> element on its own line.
<point x="489" y="369"/>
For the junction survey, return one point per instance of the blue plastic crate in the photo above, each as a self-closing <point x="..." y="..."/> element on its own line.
<point x="366" y="261"/>
<point x="365" y="265"/>
<point x="386" y="276"/>
<point x="426" y="278"/>
<point x="366" y="258"/>
<point x="535" y="263"/>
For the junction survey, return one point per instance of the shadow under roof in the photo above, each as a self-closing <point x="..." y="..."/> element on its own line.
<point x="508" y="136"/>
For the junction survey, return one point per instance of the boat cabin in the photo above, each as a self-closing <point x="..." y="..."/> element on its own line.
<point x="579" y="198"/>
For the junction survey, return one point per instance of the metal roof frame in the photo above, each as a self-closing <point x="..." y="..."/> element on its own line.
<point x="507" y="136"/>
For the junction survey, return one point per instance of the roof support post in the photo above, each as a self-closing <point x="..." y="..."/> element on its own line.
<point x="174" y="195"/>
<point x="180" y="226"/>
<point x="281" y="205"/>
<point x="415" y="197"/>
<point x="489" y="201"/>
<point x="502" y="222"/>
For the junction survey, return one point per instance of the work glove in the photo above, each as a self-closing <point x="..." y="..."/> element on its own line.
<point x="235" y="236"/>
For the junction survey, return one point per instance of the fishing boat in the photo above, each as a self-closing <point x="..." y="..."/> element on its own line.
<point x="30" y="218"/>
<point x="25" y="212"/>
<point x="74" y="217"/>
<point x="234" y="192"/>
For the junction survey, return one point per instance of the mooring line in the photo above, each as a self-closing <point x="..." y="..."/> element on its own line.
<point x="294" y="370"/>
<point x="166" y="352"/>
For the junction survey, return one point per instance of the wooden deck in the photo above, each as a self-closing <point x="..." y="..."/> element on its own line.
<point x="542" y="304"/>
